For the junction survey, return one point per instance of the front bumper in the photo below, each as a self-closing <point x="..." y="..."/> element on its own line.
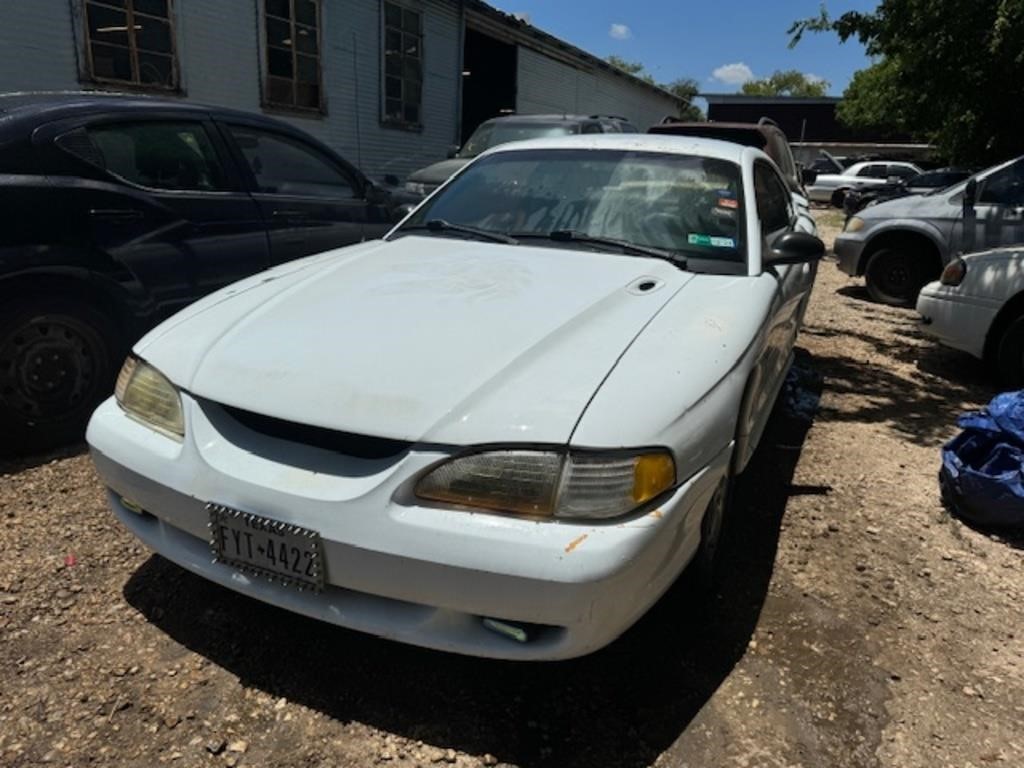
<point x="954" y="319"/>
<point x="848" y="250"/>
<point x="395" y="569"/>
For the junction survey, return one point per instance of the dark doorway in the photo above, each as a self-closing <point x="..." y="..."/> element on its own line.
<point x="488" y="80"/>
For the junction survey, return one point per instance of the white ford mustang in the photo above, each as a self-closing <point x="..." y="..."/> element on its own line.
<point x="503" y="430"/>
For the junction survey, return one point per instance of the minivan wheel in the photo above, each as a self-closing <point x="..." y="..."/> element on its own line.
<point x="895" y="277"/>
<point x="838" y="198"/>
<point x="1010" y="355"/>
<point x="58" y="359"/>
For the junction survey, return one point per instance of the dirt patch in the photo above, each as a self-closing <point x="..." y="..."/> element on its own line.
<point x="858" y="624"/>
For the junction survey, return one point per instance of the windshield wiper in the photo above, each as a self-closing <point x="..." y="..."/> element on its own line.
<point x="441" y="225"/>
<point x="572" y="236"/>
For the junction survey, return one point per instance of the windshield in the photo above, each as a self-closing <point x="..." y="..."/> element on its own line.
<point x="680" y="204"/>
<point x="492" y="134"/>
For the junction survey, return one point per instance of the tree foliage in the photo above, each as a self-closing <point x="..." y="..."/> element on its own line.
<point x="685" y="88"/>
<point x="789" y="82"/>
<point x="948" y="71"/>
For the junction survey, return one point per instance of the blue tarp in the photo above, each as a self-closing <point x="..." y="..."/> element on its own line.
<point x="982" y="475"/>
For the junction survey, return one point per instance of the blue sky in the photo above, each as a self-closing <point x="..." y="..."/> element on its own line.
<point x="716" y="43"/>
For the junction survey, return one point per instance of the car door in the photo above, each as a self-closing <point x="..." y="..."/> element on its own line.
<point x="171" y="207"/>
<point x="309" y="200"/>
<point x="998" y="216"/>
<point x="777" y="215"/>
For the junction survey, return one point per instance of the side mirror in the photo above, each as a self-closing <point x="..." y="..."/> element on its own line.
<point x="970" y="195"/>
<point x="808" y="176"/>
<point x="794" y="248"/>
<point x="403" y="210"/>
<point x="375" y="194"/>
<point x="453" y="150"/>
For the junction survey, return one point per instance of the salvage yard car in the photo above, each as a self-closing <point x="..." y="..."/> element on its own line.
<point x="120" y="210"/>
<point x="902" y="244"/>
<point x="832" y="187"/>
<point x="504" y="430"/>
<point x="977" y="306"/>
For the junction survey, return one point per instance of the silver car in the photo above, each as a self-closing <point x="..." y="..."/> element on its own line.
<point x="900" y="245"/>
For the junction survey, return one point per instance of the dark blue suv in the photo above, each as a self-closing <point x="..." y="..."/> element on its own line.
<point x="119" y="210"/>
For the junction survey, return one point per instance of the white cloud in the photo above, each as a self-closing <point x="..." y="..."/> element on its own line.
<point x="733" y="74"/>
<point x="620" y="32"/>
<point x="815" y="78"/>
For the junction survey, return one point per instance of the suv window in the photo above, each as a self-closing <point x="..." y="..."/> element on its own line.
<point x="175" y="156"/>
<point x="282" y="165"/>
<point x="773" y="199"/>
<point x="1005" y="187"/>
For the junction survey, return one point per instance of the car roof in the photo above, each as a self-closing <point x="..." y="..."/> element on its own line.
<point x="552" y="118"/>
<point x="751" y="134"/>
<point x="637" y="142"/>
<point x="45" y="106"/>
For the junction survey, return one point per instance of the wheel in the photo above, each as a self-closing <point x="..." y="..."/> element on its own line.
<point x="706" y="561"/>
<point x="838" y="198"/>
<point x="1010" y="355"/>
<point x="58" y="359"/>
<point x="895" y="277"/>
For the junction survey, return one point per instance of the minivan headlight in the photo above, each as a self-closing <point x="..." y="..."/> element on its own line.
<point x="146" y="394"/>
<point x="854" y="224"/>
<point x="551" y="484"/>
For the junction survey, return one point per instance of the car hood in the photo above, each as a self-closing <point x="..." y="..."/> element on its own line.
<point x="422" y="339"/>
<point x="438" y="173"/>
<point x="910" y="206"/>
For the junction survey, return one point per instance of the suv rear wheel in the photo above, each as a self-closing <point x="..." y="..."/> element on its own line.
<point x="58" y="359"/>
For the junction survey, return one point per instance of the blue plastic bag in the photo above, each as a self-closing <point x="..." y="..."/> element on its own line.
<point x="982" y="475"/>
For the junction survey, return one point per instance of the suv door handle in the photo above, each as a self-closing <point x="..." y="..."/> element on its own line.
<point x="115" y="214"/>
<point x="290" y="217"/>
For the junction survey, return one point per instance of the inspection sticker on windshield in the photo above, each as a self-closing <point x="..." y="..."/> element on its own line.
<point x="713" y="242"/>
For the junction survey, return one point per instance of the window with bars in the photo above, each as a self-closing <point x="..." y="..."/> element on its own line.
<point x="293" y="54"/>
<point x="403" y="65"/>
<point x="131" y="41"/>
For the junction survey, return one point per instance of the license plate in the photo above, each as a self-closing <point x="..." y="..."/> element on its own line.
<point x="280" y="551"/>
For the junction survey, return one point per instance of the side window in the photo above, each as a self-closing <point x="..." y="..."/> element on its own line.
<point x="286" y="166"/>
<point x="131" y="41"/>
<point x="293" y="71"/>
<point x="901" y="171"/>
<point x="174" y="156"/>
<point x="1006" y="187"/>
<point x="773" y="199"/>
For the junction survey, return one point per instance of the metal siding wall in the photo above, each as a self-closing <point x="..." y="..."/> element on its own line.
<point x="546" y="85"/>
<point x="37" y="46"/>
<point x="219" y="54"/>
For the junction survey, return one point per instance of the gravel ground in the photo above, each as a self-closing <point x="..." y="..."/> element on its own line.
<point x="857" y="625"/>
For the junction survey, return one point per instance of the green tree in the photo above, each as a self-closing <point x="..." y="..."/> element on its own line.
<point x="787" y="82"/>
<point x="948" y="71"/>
<point x="634" y="68"/>
<point x="686" y="88"/>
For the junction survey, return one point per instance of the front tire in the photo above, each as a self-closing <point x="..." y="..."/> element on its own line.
<point x="1010" y="355"/>
<point x="706" y="563"/>
<point x="895" y="277"/>
<point x="58" y="360"/>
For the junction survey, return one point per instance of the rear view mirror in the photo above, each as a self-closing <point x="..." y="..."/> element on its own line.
<point x="794" y="248"/>
<point x="808" y="176"/>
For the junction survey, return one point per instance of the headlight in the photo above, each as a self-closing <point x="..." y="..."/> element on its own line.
<point x="416" y="187"/>
<point x="854" y="224"/>
<point x="551" y="483"/>
<point x="954" y="273"/>
<point x="146" y="394"/>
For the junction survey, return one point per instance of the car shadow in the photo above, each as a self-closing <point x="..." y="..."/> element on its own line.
<point x="11" y="462"/>
<point x="622" y="706"/>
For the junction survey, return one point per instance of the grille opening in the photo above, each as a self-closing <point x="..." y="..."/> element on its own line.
<point x="359" y="446"/>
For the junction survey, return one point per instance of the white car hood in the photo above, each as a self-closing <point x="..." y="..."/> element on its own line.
<point x="424" y="339"/>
